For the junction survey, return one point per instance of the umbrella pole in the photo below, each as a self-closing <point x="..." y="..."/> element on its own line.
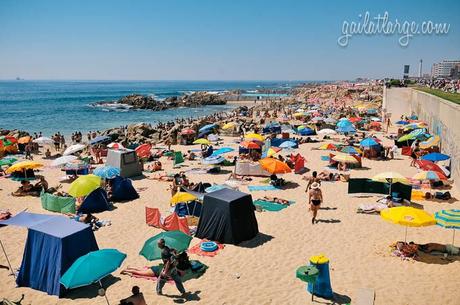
<point x="453" y="238"/>
<point x="105" y="295"/>
<point x="8" y="260"/>
<point x="405" y="235"/>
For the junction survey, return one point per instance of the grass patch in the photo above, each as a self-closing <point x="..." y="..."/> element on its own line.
<point x="453" y="97"/>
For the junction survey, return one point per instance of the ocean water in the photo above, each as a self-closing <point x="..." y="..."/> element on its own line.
<point x="64" y="106"/>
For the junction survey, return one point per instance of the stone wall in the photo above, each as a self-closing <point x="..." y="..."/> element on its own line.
<point x="443" y="118"/>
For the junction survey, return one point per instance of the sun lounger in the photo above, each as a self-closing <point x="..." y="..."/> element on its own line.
<point x="364" y="296"/>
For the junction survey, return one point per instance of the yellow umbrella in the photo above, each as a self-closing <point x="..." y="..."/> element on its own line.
<point x="181" y="197"/>
<point x="299" y="114"/>
<point x="433" y="141"/>
<point x="254" y="136"/>
<point x="24" y="140"/>
<point x="390" y="177"/>
<point x="408" y="217"/>
<point x="84" y="185"/>
<point x="229" y="125"/>
<point x="345" y="158"/>
<point x="201" y="141"/>
<point x="20" y="166"/>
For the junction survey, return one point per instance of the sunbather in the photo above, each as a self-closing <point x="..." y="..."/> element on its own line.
<point x="161" y="177"/>
<point x="275" y="199"/>
<point x="26" y="189"/>
<point x="434" y="247"/>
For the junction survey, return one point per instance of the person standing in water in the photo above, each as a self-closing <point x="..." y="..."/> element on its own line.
<point x="315" y="198"/>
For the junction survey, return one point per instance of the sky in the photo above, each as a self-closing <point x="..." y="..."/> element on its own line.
<point x="215" y="40"/>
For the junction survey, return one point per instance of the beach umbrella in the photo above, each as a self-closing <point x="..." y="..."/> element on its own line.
<point x="327" y="131"/>
<point x="345" y="159"/>
<point x="207" y="127"/>
<point x="107" y="172"/>
<point x="73" y="149"/>
<point x="348" y="129"/>
<point x="449" y="219"/>
<point x="413" y="117"/>
<point x="10" y="139"/>
<point x="24" y="140"/>
<point x="274" y="166"/>
<point x="408" y="217"/>
<point x="84" y="185"/>
<point x="202" y="141"/>
<point x="429" y="175"/>
<point x="213" y="137"/>
<point x="229" y="125"/>
<point x="355" y="119"/>
<point x="272" y="151"/>
<point x="63" y="160"/>
<point x="306" y="132"/>
<point x="375" y="119"/>
<point x="367" y="142"/>
<point x="402" y="122"/>
<point x="330" y="121"/>
<point x="430" y="166"/>
<point x="173" y="239"/>
<point x="391" y="177"/>
<point x="254" y="136"/>
<point x="432" y="141"/>
<point x="216" y="187"/>
<point x="375" y="124"/>
<point x="371" y="111"/>
<point x="44" y="141"/>
<point x="317" y="119"/>
<point x="211" y="160"/>
<point x="181" y="197"/>
<point x="23" y="165"/>
<point x="222" y="150"/>
<point x="344" y="123"/>
<point x="115" y="146"/>
<point x="299" y="128"/>
<point x="434" y="157"/>
<point x="187" y="131"/>
<point x="351" y="150"/>
<point x="288" y="144"/>
<point x="7" y="161"/>
<point x="143" y="151"/>
<point x="298" y="114"/>
<point x="249" y="145"/>
<point x="100" y="140"/>
<point x="415" y="134"/>
<point x="92" y="267"/>
<point x="327" y="146"/>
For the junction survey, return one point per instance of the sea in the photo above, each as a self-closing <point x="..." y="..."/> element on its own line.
<point x="66" y="106"/>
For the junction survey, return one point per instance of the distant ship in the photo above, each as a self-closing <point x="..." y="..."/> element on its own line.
<point x="18" y="78"/>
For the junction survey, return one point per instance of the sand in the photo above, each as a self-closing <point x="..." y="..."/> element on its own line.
<point x="262" y="271"/>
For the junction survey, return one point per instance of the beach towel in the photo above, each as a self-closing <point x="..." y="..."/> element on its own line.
<point x="254" y="188"/>
<point x="185" y="276"/>
<point x="197" y="249"/>
<point x="271" y="206"/>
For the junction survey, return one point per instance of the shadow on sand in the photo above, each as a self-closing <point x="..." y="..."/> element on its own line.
<point x="91" y="291"/>
<point x="259" y="240"/>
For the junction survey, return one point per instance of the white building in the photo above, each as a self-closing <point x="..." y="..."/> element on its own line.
<point x="444" y="68"/>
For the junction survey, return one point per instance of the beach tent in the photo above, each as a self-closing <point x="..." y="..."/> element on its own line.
<point x="58" y="204"/>
<point x="53" y="244"/>
<point x="123" y="189"/>
<point x="228" y="217"/>
<point x="95" y="202"/>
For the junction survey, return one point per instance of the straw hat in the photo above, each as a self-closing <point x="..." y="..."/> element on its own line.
<point x="315" y="185"/>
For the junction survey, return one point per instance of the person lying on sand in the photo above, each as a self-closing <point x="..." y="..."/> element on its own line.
<point x="161" y="177"/>
<point x="328" y="176"/>
<point x="275" y="199"/>
<point x="26" y="189"/>
<point x="154" y="167"/>
<point x="89" y="219"/>
<point x="431" y="247"/>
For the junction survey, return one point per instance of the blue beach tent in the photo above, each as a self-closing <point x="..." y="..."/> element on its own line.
<point x="123" y="189"/>
<point x="53" y="244"/>
<point x="95" y="202"/>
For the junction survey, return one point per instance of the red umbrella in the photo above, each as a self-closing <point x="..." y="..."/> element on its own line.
<point x="143" y="151"/>
<point x="187" y="131"/>
<point x="376" y="124"/>
<point x="355" y="119"/>
<point x="249" y="145"/>
<point x="429" y="166"/>
<point x="11" y="139"/>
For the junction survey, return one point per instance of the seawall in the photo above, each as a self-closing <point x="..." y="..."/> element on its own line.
<point x="442" y="117"/>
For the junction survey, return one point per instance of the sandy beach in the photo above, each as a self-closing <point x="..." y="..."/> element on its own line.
<point x="262" y="271"/>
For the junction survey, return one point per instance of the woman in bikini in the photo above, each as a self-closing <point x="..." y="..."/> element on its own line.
<point x="315" y="197"/>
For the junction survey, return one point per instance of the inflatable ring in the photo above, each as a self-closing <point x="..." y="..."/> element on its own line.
<point x="208" y="246"/>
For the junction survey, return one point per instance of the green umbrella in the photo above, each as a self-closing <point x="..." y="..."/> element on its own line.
<point x="7" y="161"/>
<point x="92" y="267"/>
<point x="412" y="135"/>
<point x="173" y="239"/>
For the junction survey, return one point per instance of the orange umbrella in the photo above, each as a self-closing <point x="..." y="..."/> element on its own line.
<point x="249" y="145"/>
<point x="24" y="140"/>
<point x="143" y="151"/>
<point x="274" y="166"/>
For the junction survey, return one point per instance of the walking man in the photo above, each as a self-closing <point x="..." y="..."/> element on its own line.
<point x="169" y="269"/>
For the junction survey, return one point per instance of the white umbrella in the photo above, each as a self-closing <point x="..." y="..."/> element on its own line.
<point x="44" y="141"/>
<point x="330" y="120"/>
<point x="73" y="149"/>
<point x="326" y="131"/>
<point x="63" y="160"/>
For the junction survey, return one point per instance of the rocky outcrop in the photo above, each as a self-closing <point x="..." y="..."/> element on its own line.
<point x="137" y="101"/>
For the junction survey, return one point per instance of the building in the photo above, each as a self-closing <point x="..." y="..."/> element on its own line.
<point x="444" y="68"/>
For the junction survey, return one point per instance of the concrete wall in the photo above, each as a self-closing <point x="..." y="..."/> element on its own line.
<point x="443" y="118"/>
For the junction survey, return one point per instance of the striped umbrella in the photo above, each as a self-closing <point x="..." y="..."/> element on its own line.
<point x="434" y="140"/>
<point x="449" y="219"/>
<point x="429" y="175"/>
<point x="412" y="135"/>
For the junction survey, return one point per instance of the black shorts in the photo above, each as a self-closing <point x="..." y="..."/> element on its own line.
<point x="316" y="202"/>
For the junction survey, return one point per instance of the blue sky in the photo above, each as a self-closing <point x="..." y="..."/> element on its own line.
<point x="213" y="40"/>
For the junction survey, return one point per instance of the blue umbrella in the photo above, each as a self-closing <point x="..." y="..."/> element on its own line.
<point x="213" y="160"/>
<point x="222" y="150"/>
<point x="107" y="172"/>
<point x="368" y="142"/>
<point x="371" y="111"/>
<point x="216" y="187"/>
<point x="100" y="139"/>
<point x="402" y="122"/>
<point x="306" y="132"/>
<point x="349" y="128"/>
<point x="434" y="157"/>
<point x="207" y="127"/>
<point x="413" y="117"/>
<point x="344" y="123"/>
<point x="288" y="144"/>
